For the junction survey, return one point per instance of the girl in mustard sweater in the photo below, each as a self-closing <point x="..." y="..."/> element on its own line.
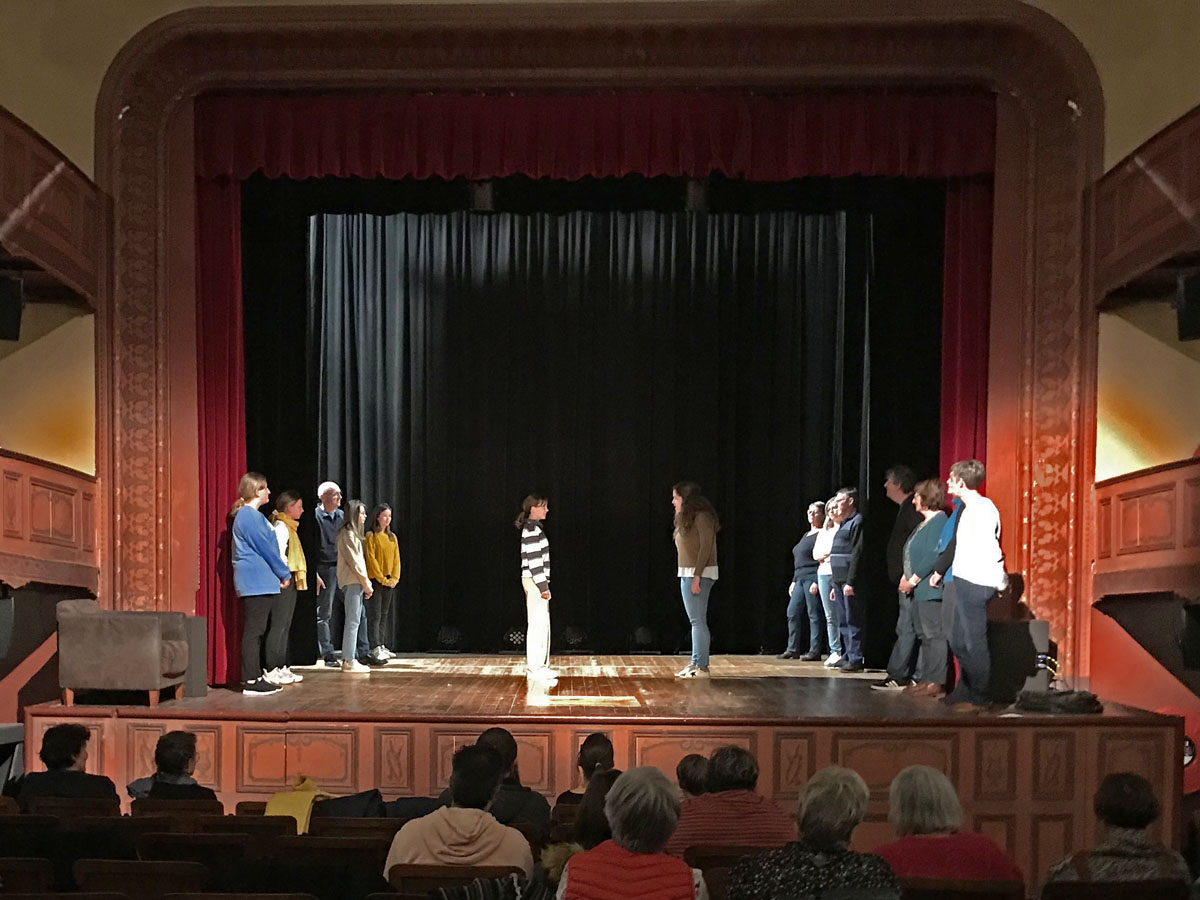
<point x="383" y="567"/>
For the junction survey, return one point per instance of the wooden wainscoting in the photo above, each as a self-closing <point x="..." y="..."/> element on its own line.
<point x="1148" y="531"/>
<point x="47" y="523"/>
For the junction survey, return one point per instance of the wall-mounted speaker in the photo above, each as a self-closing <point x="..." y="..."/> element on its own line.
<point x="12" y="299"/>
<point x="1187" y="307"/>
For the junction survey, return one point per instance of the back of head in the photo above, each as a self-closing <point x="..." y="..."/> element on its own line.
<point x="174" y="752"/>
<point x="595" y="755"/>
<point x="731" y="768"/>
<point x="1126" y="800"/>
<point x="642" y="809"/>
<point x="922" y="801"/>
<point x="61" y="744"/>
<point x="902" y="476"/>
<point x="692" y="774"/>
<point x="474" y="777"/>
<point x="971" y="472"/>
<point x="832" y="805"/>
<point x="502" y="743"/>
<point x="591" y="824"/>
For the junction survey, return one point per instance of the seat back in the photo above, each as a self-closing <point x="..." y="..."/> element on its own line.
<point x="716" y="861"/>
<point x="335" y="826"/>
<point x="28" y="835"/>
<point x="8" y="806"/>
<point x="234" y="896"/>
<point x="950" y="889"/>
<point x="1159" y="889"/>
<point x="148" y="806"/>
<point x="332" y="868"/>
<point x="140" y="879"/>
<point x="251" y="808"/>
<point x="256" y="826"/>
<point x="74" y="806"/>
<point x="25" y="874"/>
<point x="66" y="895"/>
<point x="426" y="879"/>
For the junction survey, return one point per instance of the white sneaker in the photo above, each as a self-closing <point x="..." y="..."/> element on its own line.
<point x="694" y="672"/>
<point x="686" y="671"/>
<point x="275" y="677"/>
<point x="295" y="676"/>
<point x="388" y="654"/>
<point x="832" y="660"/>
<point x="354" y="667"/>
<point x="380" y="654"/>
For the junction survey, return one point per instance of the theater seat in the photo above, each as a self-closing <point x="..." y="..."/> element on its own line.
<point x="1116" y="890"/>
<point x="412" y="879"/>
<point x="952" y="889"/>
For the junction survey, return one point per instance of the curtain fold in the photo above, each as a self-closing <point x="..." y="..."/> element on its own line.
<point x="467" y="359"/>
<point x="222" y="413"/>
<point x="929" y="134"/>
<point x="966" y="302"/>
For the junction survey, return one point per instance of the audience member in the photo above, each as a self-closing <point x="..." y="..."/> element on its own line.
<point x="642" y="809"/>
<point x="515" y="804"/>
<point x="1126" y="804"/>
<point x="174" y="761"/>
<point x="731" y="806"/>
<point x="691" y="774"/>
<point x="64" y="753"/>
<point x="832" y="805"/>
<point x="595" y="755"/>
<point x="924" y="810"/>
<point x="464" y="833"/>
<point x="591" y="826"/>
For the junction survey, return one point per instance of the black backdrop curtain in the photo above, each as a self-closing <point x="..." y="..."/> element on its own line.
<point x="458" y="360"/>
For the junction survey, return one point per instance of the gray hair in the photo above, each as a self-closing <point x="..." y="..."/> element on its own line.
<point x="642" y="808"/>
<point x="922" y="801"/>
<point x="832" y="805"/>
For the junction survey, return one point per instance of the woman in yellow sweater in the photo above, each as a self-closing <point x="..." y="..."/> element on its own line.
<point x="383" y="566"/>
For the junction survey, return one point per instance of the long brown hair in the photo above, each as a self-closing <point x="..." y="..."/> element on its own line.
<point x="694" y="503"/>
<point x="375" y="513"/>
<point x="251" y="484"/>
<point x="534" y="499"/>
<point x="351" y="521"/>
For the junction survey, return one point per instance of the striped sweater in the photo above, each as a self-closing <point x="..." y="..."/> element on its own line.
<point x="535" y="555"/>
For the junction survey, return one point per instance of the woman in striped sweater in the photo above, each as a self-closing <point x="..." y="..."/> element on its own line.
<point x="535" y="578"/>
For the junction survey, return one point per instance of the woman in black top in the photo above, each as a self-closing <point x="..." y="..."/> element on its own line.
<point x="803" y="594"/>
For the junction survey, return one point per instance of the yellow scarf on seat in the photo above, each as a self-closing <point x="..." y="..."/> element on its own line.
<point x="295" y="553"/>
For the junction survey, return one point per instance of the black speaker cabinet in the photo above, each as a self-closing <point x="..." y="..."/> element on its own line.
<point x="1187" y="307"/>
<point x="12" y="299"/>
<point x="1015" y="647"/>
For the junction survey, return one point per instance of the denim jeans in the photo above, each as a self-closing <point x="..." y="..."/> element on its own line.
<point x="352" y="598"/>
<point x="325" y="600"/>
<point x="851" y="615"/>
<point x="833" y="622"/>
<point x="696" y="606"/>
<point x="904" y="652"/>
<point x="968" y="642"/>
<point x="804" y="602"/>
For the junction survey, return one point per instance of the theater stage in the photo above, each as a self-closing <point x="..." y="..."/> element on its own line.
<point x="1025" y="779"/>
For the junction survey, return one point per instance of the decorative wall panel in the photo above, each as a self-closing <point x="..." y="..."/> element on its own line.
<point x="996" y="766"/>
<point x="394" y="762"/>
<point x="665" y="747"/>
<point x="879" y="755"/>
<point x="794" y="760"/>
<point x="327" y="755"/>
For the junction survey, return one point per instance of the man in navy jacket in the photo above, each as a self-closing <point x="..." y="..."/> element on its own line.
<point x="844" y="559"/>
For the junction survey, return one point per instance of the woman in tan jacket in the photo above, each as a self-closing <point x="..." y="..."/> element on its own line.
<point x="696" y="527"/>
<point x="353" y="580"/>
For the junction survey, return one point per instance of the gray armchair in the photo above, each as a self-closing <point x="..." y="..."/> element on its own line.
<point x="119" y="651"/>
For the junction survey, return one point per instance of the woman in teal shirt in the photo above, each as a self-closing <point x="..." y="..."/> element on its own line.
<point x="920" y="557"/>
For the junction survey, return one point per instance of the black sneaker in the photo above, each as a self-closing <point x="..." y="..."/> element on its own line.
<point x="259" y="687"/>
<point x="810" y="656"/>
<point x="372" y="662"/>
<point x="856" y="666"/>
<point x="890" y="684"/>
<point x="787" y="654"/>
<point x="332" y="662"/>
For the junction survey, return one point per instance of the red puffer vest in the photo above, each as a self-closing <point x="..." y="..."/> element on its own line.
<point x="609" y="872"/>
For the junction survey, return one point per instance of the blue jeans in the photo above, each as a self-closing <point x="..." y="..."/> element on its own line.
<point x="851" y="614"/>
<point x="803" y="601"/>
<point x="696" y="606"/>
<point x="968" y="642"/>
<point x="352" y="598"/>
<point x="833" y="622"/>
<point x="325" y="600"/>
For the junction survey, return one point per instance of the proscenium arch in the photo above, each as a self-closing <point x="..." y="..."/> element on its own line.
<point x="1041" y="402"/>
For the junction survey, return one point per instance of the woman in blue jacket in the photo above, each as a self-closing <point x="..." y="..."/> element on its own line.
<point x="259" y="572"/>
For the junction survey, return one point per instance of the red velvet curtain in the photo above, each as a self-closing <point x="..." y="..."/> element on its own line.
<point x="946" y="134"/>
<point x="966" y="301"/>
<point x="221" y="390"/>
<point x="933" y="134"/>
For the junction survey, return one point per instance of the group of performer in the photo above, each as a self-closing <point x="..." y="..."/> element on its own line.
<point x="270" y="565"/>
<point x="946" y="567"/>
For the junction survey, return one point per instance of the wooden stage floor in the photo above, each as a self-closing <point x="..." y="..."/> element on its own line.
<point x="1026" y="780"/>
